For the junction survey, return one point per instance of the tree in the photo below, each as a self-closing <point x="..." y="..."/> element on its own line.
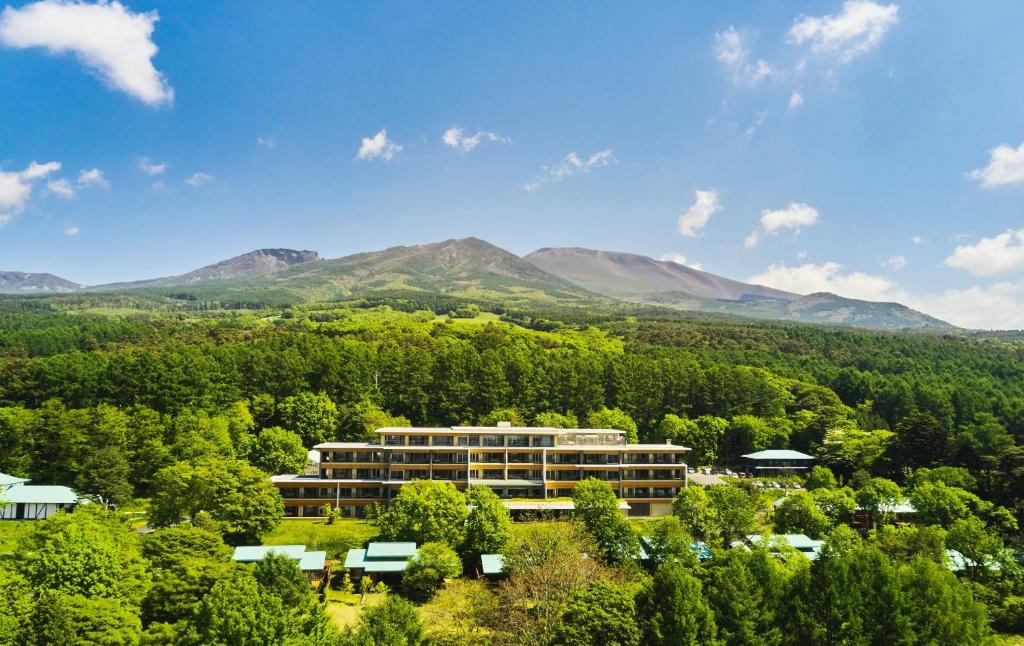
<point x="669" y="541"/>
<point x="425" y="511"/>
<point x="91" y="553"/>
<point x="433" y="563"/>
<point x="876" y="496"/>
<point x="314" y="417"/>
<point x="393" y="622"/>
<point x="511" y="415"/>
<point x="276" y="451"/>
<point x="238" y="497"/>
<point x="693" y="508"/>
<point x="547" y="566"/>
<point x="488" y="525"/>
<point x="239" y="613"/>
<point x="906" y="543"/>
<point x="614" y="418"/>
<point x="702" y="435"/>
<point x="279" y="575"/>
<point x="838" y="505"/>
<point x="185" y="562"/>
<point x="820" y="477"/>
<point x="60" y="618"/>
<point x="974" y="540"/>
<point x="603" y="613"/>
<point x="556" y="420"/>
<point x="748" y="433"/>
<point x="937" y="504"/>
<point x="736" y="510"/>
<point x="673" y="610"/>
<point x="920" y="442"/>
<point x="799" y="514"/>
<point x="598" y="508"/>
<point x="940" y="609"/>
<point x="359" y="421"/>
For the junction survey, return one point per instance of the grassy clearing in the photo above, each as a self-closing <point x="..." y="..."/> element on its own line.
<point x="316" y="534"/>
<point x="344" y="608"/>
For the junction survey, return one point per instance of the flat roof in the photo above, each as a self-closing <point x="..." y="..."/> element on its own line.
<point x="327" y="446"/>
<point x="807" y="546"/>
<point x="493" y="430"/>
<point x="40" y="494"/>
<point x="251" y="553"/>
<point x="778" y="454"/>
<point x="313" y="561"/>
<point x="384" y="550"/>
<point x="357" y="559"/>
<point x="492" y="563"/>
<point x="7" y="479"/>
<point x="547" y="505"/>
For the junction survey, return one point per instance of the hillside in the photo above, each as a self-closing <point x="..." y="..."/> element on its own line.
<point x="639" y="279"/>
<point x="255" y="263"/>
<point x="629" y="276"/>
<point x="19" y="282"/>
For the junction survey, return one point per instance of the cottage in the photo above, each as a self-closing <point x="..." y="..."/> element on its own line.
<point x="774" y="462"/>
<point x="21" y="501"/>
<point x="314" y="565"/>
<point x="380" y="560"/>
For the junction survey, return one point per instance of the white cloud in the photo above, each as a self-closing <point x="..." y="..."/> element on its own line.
<point x="453" y="137"/>
<point x="267" y="143"/>
<point x="378" y="147"/>
<point x="696" y="217"/>
<point x="62" y="188"/>
<point x="828" y="277"/>
<point x="896" y="262"/>
<point x="795" y="100"/>
<point x="199" y="179"/>
<point x="92" y="177"/>
<point x="680" y="259"/>
<point x="1005" y="167"/>
<point x="731" y="49"/>
<point x="16" y="187"/>
<point x="918" y="240"/>
<point x="72" y="231"/>
<point x="147" y="166"/>
<point x="572" y="164"/>
<point x="857" y="30"/>
<point x="996" y="307"/>
<point x="761" y="116"/>
<point x="5" y="219"/>
<point x="795" y="216"/>
<point x="106" y="37"/>
<point x="1001" y="254"/>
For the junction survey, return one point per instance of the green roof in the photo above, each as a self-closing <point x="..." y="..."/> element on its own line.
<point x="355" y="558"/>
<point x="390" y="551"/>
<point x="492" y="564"/>
<point x="40" y="494"/>
<point x="313" y="561"/>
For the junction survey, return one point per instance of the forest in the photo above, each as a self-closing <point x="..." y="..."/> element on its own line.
<point x="188" y="411"/>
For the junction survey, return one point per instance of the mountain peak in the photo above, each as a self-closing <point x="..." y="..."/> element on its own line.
<point x="20" y="282"/>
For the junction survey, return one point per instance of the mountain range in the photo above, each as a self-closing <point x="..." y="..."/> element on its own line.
<point x="471" y="268"/>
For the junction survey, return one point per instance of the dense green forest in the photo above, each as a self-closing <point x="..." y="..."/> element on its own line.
<point x="192" y="406"/>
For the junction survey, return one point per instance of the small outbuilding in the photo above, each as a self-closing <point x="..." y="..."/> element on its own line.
<point x="22" y="501"/>
<point x="314" y="565"/>
<point x="380" y="560"/>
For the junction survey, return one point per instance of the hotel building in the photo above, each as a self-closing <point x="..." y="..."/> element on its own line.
<point x="535" y="464"/>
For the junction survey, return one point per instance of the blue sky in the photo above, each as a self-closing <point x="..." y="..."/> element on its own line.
<point x="872" y="149"/>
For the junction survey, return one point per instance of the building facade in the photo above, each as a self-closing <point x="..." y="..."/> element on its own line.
<point x="516" y="462"/>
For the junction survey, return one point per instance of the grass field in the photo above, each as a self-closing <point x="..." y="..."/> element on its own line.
<point x="10" y="530"/>
<point x="344" y="608"/>
<point x="316" y="534"/>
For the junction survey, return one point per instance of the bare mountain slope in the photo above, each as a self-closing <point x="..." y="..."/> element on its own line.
<point x="628" y="276"/>
<point x="19" y="282"/>
<point x="255" y="263"/>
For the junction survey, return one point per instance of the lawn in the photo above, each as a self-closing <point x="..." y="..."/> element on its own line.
<point x="344" y="608"/>
<point x="316" y="534"/>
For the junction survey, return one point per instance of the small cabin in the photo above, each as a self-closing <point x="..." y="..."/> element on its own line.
<point x="22" y="501"/>
<point x="314" y="565"/>
<point x="777" y="462"/>
<point x="381" y="561"/>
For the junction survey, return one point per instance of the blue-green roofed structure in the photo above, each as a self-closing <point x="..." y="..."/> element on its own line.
<point x="34" y="502"/>
<point x="314" y="564"/>
<point x="380" y="558"/>
<point x="777" y="461"/>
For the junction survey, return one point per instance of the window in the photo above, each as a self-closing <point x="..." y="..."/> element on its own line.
<point x="443" y="440"/>
<point x="517" y="440"/>
<point x="469" y="440"/>
<point x="493" y="440"/>
<point x="418" y="440"/>
<point x="394" y="440"/>
<point x="543" y="440"/>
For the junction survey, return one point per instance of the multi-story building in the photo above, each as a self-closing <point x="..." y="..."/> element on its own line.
<point x="516" y="462"/>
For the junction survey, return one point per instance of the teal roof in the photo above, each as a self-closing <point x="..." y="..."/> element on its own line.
<point x="703" y="551"/>
<point x="252" y="553"/>
<point x="385" y="566"/>
<point x="492" y="563"/>
<point x="40" y="494"/>
<point x="805" y="545"/>
<point x="313" y="561"/>
<point x="390" y="551"/>
<point x="355" y="558"/>
<point x="7" y="480"/>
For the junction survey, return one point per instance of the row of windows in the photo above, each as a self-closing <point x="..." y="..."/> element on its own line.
<point x="575" y="457"/>
<point x="469" y="440"/>
<point x="375" y="493"/>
